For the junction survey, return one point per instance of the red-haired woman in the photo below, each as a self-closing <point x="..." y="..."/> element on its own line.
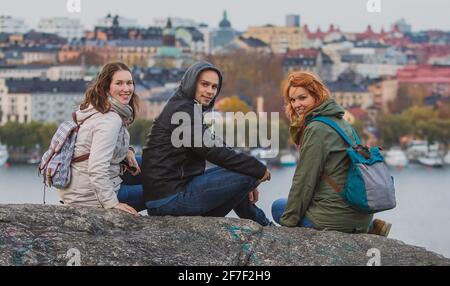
<point x="312" y="201"/>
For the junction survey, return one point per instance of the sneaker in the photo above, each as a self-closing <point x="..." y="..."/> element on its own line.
<point x="380" y="227"/>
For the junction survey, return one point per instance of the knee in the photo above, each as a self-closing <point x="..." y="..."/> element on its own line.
<point x="278" y="207"/>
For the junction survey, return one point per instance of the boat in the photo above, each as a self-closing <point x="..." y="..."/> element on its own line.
<point x="418" y="148"/>
<point x="395" y="157"/>
<point x="3" y="155"/>
<point x="288" y="160"/>
<point x="431" y="159"/>
<point x="447" y="158"/>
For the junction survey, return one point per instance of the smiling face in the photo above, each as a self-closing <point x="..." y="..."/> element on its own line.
<point x="122" y="86"/>
<point x="207" y="85"/>
<point x="301" y="100"/>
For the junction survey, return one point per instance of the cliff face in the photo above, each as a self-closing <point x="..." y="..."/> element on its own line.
<point x="60" y="235"/>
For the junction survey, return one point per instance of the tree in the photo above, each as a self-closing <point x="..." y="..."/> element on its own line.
<point x="393" y="127"/>
<point x="419" y="118"/>
<point x="232" y="104"/>
<point x="139" y="130"/>
<point x="250" y="73"/>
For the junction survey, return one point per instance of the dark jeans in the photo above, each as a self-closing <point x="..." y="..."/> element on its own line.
<point x="131" y="191"/>
<point x="278" y="207"/>
<point x="215" y="194"/>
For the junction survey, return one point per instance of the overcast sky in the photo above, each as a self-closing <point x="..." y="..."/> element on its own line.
<point x="350" y="15"/>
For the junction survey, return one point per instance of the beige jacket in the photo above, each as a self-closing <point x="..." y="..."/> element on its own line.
<point x="96" y="181"/>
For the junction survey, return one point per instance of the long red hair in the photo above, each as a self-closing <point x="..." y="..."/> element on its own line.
<point x="314" y="85"/>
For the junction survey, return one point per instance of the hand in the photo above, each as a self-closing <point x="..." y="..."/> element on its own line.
<point x="133" y="164"/>
<point x="253" y="196"/>
<point x="266" y="177"/>
<point x="126" y="208"/>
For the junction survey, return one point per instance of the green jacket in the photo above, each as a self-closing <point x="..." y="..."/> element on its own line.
<point x="323" y="150"/>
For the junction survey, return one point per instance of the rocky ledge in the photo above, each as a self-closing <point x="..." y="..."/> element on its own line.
<point x="61" y="235"/>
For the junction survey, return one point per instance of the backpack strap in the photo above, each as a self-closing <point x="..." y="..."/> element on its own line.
<point x="338" y="129"/>
<point x="83" y="157"/>
<point x="331" y="182"/>
<point x="344" y="136"/>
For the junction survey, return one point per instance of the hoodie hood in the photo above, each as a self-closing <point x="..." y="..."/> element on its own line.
<point x="85" y="113"/>
<point x="188" y="83"/>
<point x="328" y="108"/>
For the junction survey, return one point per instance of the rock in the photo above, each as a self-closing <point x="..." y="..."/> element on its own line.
<point x="61" y="235"/>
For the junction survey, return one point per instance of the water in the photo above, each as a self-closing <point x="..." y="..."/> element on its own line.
<point x="422" y="215"/>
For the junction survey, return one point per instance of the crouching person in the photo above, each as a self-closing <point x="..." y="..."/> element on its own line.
<point x="174" y="177"/>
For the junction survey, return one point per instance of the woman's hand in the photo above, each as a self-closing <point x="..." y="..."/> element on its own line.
<point x="126" y="208"/>
<point x="133" y="164"/>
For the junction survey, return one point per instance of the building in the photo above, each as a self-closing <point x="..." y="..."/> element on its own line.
<point x="64" y="27"/>
<point x="435" y="78"/>
<point x="356" y="113"/>
<point x="152" y="106"/>
<point x="12" y="25"/>
<point x="292" y="20"/>
<point x="30" y="55"/>
<point x="111" y="21"/>
<point x="24" y="71"/>
<point x="65" y="73"/>
<point x="135" y="52"/>
<point x="207" y="37"/>
<point x="41" y="100"/>
<point x="15" y="104"/>
<point x="312" y="60"/>
<point x="350" y="94"/>
<point x="383" y="91"/>
<point x="192" y="37"/>
<point x="176" y="22"/>
<point x="246" y="44"/>
<point x="280" y="39"/>
<point x="224" y="35"/>
<point x="34" y="38"/>
<point x="318" y="38"/>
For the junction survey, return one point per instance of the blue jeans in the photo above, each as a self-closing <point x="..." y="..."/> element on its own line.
<point x="278" y="207"/>
<point x="215" y="194"/>
<point x="131" y="191"/>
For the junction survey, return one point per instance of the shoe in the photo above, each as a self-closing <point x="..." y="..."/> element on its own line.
<point x="380" y="227"/>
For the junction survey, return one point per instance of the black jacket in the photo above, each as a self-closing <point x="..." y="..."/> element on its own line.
<point x="167" y="169"/>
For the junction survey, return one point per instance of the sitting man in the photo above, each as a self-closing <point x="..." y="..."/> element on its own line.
<point x="174" y="178"/>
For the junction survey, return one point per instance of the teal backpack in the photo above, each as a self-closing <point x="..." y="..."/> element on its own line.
<point x="369" y="187"/>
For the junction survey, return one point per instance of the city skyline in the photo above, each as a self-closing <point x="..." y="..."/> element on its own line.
<point x="350" y="16"/>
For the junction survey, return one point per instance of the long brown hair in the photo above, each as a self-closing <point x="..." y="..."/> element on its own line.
<point x="97" y="92"/>
<point x="314" y="86"/>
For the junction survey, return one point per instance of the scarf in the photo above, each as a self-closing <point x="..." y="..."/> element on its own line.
<point x="125" y="111"/>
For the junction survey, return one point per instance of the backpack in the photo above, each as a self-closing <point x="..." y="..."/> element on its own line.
<point x="369" y="187"/>
<point x="55" y="163"/>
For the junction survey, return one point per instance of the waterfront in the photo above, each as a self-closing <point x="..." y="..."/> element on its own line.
<point x="421" y="217"/>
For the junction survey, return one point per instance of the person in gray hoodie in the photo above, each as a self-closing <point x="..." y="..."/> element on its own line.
<point x="174" y="178"/>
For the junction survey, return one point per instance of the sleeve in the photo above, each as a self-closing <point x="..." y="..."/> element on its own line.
<point x="213" y="148"/>
<point x="313" y="155"/>
<point x="104" y="139"/>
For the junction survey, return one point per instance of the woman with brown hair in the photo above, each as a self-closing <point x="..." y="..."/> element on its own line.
<point x="102" y="142"/>
<point x="312" y="201"/>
